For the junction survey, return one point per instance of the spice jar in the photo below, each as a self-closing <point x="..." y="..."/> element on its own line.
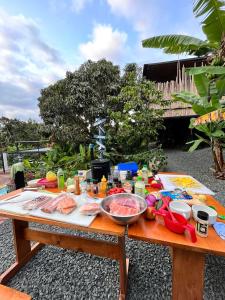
<point x="202" y="223"/>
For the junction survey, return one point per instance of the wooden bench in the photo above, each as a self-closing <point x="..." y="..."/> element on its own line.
<point x="7" y="293"/>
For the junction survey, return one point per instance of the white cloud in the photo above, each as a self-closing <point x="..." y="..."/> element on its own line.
<point x="27" y="64"/>
<point x="78" y="5"/>
<point x="152" y="18"/>
<point x="139" y="12"/>
<point x="105" y="43"/>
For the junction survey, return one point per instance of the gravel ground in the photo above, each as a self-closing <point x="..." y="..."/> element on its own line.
<point x="56" y="273"/>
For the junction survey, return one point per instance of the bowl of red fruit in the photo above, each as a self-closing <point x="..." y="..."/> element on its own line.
<point x="123" y="208"/>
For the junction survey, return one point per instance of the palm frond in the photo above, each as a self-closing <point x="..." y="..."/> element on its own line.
<point x="213" y="14"/>
<point x="178" y="43"/>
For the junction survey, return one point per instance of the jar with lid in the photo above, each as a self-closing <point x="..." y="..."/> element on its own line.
<point x="202" y="223"/>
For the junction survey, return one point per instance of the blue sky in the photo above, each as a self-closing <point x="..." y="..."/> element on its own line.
<point x="41" y="40"/>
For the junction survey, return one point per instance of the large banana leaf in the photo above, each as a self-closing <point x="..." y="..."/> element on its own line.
<point x="178" y="43"/>
<point x="213" y="14"/>
<point x="202" y="84"/>
<point x="214" y="70"/>
<point x="199" y="104"/>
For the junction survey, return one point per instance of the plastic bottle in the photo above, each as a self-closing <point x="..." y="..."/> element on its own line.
<point x="202" y="223"/>
<point x="139" y="188"/>
<point x="77" y="184"/>
<point x="145" y="174"/>
<point x="103" y="186"/>
<point x="116" y="173"/>
<point x="60" y="179"/>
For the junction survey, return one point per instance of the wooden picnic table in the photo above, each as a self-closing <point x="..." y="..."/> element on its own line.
<point x="23" y="234"/>
<point x="188" y="259"/>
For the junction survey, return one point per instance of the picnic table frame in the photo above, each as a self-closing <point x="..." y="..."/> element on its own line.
<point x="102" y="225"/>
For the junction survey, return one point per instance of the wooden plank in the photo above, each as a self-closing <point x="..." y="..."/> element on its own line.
<point x="22" y="247"/>
<point x="11" y="271"/>
<point x="95" y="247"/>
<point x="123" y="268"/>
<point x="7" y="293"/>
<point x="188" y="275"/>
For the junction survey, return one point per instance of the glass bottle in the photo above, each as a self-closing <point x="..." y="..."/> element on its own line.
<point x="202" y="223"/>
<point x="145" y="174"/>
<point x="139" y="188"/>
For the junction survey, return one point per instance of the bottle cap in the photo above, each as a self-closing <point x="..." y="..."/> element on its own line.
<point x="103" y="178"/>
<point x="139" y="178"/>
<point x="203" y="215"/>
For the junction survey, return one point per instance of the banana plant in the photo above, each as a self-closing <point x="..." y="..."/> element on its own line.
<point x="210" y="84"/>
<point x="212" y="15"/>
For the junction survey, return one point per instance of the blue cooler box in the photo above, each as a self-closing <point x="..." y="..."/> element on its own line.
<point x="128" y="166"/>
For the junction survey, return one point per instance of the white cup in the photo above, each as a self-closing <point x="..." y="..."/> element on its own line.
<point x="180" y="208"/>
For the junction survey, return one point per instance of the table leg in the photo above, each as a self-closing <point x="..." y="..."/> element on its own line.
<point x="23" y="249"/>
<point x="123" y="267"/>
<point x="188" y="274"/>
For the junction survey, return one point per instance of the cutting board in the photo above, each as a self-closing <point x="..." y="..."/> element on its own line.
<point x="15" y="205"/>
<point x="169" y="185"/>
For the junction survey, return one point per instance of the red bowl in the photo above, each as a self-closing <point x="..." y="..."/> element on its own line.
<point x="46" y="183"/>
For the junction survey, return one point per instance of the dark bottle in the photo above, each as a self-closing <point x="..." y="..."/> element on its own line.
<point x="95" y="187"/>
<point x="129" y="175"/>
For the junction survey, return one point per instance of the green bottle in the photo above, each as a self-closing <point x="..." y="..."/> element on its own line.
<point x="60" y="179"/>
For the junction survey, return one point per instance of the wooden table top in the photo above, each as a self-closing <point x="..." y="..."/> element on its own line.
<point x="151" y="231"/>
<point x="101" y="223"/>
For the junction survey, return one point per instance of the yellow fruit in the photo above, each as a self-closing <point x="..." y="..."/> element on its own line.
<point x="51" y="176"/>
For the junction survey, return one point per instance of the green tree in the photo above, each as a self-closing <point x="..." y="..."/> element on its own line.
<point x="70" y="106"/>
<point x="212" y="15"/>
<point x="12" y="130"/>
<point x="135" y="116"/>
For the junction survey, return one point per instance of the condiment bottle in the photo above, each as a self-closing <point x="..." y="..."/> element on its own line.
<point x="88" y="187"/>
<point x="202" y="223"/>
<point x="95" y="187"/>
<point x="103" y="185"/>
<point x="77" y="184"/>
<point x="145" y="174"/>
<point x="60" y="179"/>
<point x="139" y="188"/>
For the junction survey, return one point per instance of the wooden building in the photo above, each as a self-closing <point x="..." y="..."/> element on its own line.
<point x="170" y="77"/>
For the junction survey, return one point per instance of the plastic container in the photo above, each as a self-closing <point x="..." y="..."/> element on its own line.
<point x="202" y="223"/>
<point x="46" y="183"/>
<point x="139" y="188"/>
<point x="128" y="166"/>
<point x="123" y="175"/>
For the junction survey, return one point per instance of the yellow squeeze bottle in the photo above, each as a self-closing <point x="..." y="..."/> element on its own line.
<point x="103" y="185"/>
